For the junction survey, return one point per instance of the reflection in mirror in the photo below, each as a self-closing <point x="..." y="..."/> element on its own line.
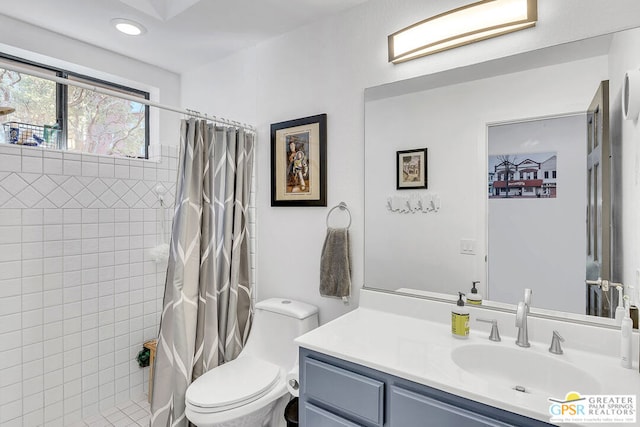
<point x="452" y="114"/>
<point x="537" y="192"/>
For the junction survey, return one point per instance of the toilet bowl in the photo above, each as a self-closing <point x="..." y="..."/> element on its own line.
<point x="251" y="391"/>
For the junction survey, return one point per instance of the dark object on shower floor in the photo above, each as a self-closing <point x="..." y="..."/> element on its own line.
<point x="291" y="413"/>
<point x="144" y="357"/>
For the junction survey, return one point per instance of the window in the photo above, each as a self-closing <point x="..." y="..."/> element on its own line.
<point x="67" y="117"/>
<point x="546" y="174"/>
<point x="553" y="174"/>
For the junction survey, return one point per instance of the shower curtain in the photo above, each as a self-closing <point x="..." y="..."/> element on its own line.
<point x="206" y="313"/>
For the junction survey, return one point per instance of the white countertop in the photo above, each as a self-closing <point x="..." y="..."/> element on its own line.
<point x="419" y="350"/>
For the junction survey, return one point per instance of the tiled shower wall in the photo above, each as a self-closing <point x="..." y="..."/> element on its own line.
<point x="79" y="291"/>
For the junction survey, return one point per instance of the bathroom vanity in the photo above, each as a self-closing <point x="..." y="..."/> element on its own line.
<point x="336" y="392"/>
<point x="393" y="362"/>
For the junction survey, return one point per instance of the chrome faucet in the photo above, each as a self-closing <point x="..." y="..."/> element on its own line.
<point x="521" y="319"/>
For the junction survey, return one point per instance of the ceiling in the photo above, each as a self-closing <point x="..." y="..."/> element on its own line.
<point x="181" y="34"/>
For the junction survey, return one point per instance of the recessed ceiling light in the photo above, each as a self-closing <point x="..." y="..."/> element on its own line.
<point x="129" y="27"/>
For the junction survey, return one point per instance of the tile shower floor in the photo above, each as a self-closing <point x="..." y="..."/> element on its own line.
<point x="133" y="413"/>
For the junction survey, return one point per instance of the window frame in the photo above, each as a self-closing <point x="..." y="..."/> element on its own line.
<point x="62" y="91"/>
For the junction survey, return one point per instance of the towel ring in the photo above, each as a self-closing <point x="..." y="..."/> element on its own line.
<point x="343" y="207"/>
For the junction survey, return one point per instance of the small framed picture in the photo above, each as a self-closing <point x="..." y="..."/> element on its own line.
<point x="411" y="169"/>
<point x="298" y="162"/>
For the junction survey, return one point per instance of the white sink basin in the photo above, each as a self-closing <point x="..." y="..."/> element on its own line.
<point x="526" y="368"/>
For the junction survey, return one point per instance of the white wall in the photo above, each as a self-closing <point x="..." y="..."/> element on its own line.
<point x="27" y="41"/>
<point x="325" y="67"/>
<point x="624" y="56"/>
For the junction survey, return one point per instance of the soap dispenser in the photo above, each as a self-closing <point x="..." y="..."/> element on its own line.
<point x="460" y="319"/>
<point x="474" y="298"/>
<point x="625" y="337"/>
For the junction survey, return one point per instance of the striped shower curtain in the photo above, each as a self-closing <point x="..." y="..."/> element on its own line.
<point x="206" y="313"/>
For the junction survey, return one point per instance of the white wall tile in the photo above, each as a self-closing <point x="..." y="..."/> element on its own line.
<point x="10" y="376"/>
<point x="32" y="250"/>
<point x="90" y="260"/>
<point x="32" y="352"/>
<point x="10" y="163"/>
<point x="134" y="172"/>
<point x="32" y="267"/>
<point x="72" y="216"/>
<point x="32" y="284"/>
<point x="10" y="340"/>
<point x="31" y="301"/>
<point x="53" y="232"/>
<point x="71" y="167"/>
<point x="52" y="166"/>
<point x="90" y="216"/>
<point x="10" y="252"/>
<point x="65" y="279"/>
<point x="53" y="248"/>
<point x="72" y="231"/>
<point x="53" y="216"/>
<point x="10" y="234"/>
<point x="89" y="169"/>
<point x="106" y="171"/>
<point x="52" y="314"/>
<point x="52" y="330"/>
<point x="10" y="323"/>
<point x="31" y="164"/>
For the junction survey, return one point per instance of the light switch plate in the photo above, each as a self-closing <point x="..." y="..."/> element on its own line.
<point x="468" y="246"/>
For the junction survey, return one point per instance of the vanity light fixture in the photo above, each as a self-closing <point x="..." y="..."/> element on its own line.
<point x="464" y="25"/>
<point x="129" y="27"/>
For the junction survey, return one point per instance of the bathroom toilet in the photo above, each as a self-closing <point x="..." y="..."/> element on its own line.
<point x="251" y="390"/>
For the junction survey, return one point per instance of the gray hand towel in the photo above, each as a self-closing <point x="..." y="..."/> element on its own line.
<point x="335" y="264"/>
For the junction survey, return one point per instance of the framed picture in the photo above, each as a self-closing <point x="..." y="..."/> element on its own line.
<point x="299" y="162"/>
<point x="411" y="169"/>
<point x="523" y="175"/>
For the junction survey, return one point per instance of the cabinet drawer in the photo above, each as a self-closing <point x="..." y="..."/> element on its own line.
<point x="412" y="409"/>
<point x="317" y="417"/>
<point x="359" y="397"/>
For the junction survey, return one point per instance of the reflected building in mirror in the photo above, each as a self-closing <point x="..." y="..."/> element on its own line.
<point x="531" y="175"/>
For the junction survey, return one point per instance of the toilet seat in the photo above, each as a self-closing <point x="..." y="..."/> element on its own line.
<point x="233" y="384"/>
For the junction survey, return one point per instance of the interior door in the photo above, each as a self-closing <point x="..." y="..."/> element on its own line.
<point x="598" y="224"/>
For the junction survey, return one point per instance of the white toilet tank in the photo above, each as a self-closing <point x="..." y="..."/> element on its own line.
<point x="276" y="323"/>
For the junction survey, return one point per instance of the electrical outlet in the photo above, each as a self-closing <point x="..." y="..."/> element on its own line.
<point x="467" y="246"/>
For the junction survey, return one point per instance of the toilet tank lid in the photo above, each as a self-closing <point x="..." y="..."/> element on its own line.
<point x="288" y="307"/>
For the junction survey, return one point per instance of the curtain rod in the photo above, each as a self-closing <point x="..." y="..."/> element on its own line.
<point x="104" y="91"/>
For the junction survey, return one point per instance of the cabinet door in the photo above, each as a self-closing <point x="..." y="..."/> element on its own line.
<point x="408" y="408"/>
<point x="317" y="417"/>
<point x="345" y="392"/>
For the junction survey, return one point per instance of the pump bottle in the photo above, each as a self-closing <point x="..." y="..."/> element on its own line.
<point x="474" y="298"/>
<point x="460" y="319"/>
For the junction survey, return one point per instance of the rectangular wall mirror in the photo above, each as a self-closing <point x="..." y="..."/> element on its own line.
<point x="538" y="103"/>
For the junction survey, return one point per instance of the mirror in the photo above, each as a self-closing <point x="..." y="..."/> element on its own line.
<point x="437" y="241"/>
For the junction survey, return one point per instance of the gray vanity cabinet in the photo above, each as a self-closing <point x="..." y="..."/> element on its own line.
<point x="337" y="393"/>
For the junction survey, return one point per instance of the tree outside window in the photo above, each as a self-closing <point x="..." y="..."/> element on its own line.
<point x="94" y="122"/>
